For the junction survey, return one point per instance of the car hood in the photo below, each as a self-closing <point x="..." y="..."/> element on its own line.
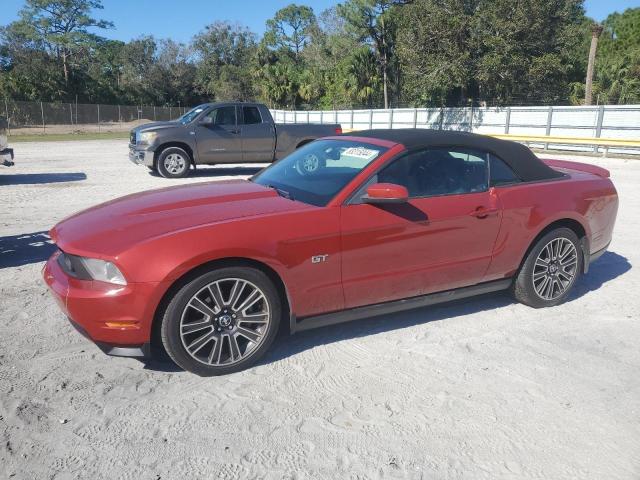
<point x="106" y="230"/>
<point x="155" y="126"/>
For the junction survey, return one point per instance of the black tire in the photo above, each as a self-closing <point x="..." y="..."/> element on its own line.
<point x="178" y="311"/>
<point x="173" y="162"/>
<point x="534" y="285"/>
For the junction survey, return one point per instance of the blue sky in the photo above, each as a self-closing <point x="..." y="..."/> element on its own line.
<point x="180" y="20"/>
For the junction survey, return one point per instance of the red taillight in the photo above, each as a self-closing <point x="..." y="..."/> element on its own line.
<point x="339" y="131"/>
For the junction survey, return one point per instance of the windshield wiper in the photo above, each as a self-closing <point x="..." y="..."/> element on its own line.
<point x="281" y="192"/>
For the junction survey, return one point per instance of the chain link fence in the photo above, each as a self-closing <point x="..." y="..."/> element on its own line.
<point x="45" y="117"/>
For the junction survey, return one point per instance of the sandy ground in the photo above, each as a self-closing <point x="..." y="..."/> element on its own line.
<point x="483" y="389"/>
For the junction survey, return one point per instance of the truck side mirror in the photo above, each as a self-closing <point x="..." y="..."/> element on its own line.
<point x="206" y="121"/>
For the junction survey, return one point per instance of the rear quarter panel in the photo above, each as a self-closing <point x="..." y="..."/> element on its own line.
<point x="529" y="208"/>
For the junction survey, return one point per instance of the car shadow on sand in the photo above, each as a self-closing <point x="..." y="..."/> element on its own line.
<point x="41" y="178"/>
<point x="609" y="267"/>
<point x="18" y="250"/>
<point x="225" y="171"/>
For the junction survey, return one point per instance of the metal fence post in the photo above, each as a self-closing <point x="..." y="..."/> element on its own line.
<point x="391" y="118"/>
<point x="170" y="113"/>
<point x="599" y="123"/>
<point x="154" y="113"/>
<point x="6" y="111"/>
<point x="71" y="113"/>
<point x="507" y="121"/>
<point x="441" y="117"/>
<point x="415" y="118"/>
<point x="370" y="118"/>
<point x="44" y="129"/>
<point x="119" y="116"/>
<point x="321" y="117"/>
<point x="98" y="117"/>
<point x="549" y="122"/>
<point x="351" y="119"/>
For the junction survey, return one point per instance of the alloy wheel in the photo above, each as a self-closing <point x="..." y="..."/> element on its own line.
<point x="555" y="268"/>
<point x="225" y="322"/>
<point x="175" y="163"/>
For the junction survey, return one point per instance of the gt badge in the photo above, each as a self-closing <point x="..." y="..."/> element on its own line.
<point x="319" y="258"/>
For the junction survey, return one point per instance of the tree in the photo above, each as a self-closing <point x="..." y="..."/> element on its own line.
<point x="290" y="28"/>
<point x="525" y="49"/>
<point x="442" y="70"/>
<point x="223" y="54"/>
<point x="618" y="60"/>
<point x="61" y="27"/>
<point x="374" y="21"/>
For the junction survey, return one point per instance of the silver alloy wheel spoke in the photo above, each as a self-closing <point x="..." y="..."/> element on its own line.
<point x="174" y="163"/>
<point x="555" y="268"/>
<point x="225" y="322"/>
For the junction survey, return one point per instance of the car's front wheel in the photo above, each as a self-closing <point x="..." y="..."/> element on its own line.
<point x="222" y="321"/>
<point x="550" y="269"/>
<point x="173" y="162"/>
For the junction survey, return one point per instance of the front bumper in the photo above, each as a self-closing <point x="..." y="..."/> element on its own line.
<point x="140" y="156"/>
<point x="6" y="157"/>
<point x="117" y="318"/>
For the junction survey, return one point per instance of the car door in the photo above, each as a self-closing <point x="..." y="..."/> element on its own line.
<point x="219" y="141"/>
<point x="258" y="136"/>
<point x="441" y="239"/>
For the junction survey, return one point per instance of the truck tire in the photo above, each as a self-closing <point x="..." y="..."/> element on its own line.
<point x="173" y="162"/>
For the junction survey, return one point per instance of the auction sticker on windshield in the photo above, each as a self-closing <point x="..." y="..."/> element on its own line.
<point x="361" y="152"/>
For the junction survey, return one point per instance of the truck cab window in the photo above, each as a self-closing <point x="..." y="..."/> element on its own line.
<point x="251" y="115"/>
<point x="223" y="115"/>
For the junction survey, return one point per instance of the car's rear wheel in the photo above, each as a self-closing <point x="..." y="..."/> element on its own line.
<point x="222" y="321"/>
<point x="550" y="270"/>
<point x="173" y="162"/>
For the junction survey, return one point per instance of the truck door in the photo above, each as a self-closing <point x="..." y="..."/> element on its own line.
<point x="219" y="141"/>
<point x="258" y="135"/>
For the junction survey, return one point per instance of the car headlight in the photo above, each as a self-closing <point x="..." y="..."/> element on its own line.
<point x="148" y="137"/>
<point x="91" y="269"/>
<point x="103" y="271"/>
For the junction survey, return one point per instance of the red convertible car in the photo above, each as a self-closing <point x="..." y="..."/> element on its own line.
<point x="344" y="228"/>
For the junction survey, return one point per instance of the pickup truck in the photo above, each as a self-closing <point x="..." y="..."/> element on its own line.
<point x="6" y="153"/>
<point x="219" y="133"/>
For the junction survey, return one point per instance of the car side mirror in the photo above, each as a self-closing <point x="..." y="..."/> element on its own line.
<point x="386" y="193"/>
<point x="206" y="121"/>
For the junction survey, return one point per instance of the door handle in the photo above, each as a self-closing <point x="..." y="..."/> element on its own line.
<point x="483" y="212"/>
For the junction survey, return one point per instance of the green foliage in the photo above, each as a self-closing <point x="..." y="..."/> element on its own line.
<point x="618" y="61"/>
<point x="290" y="28"/>
<point x="361" y="53"/>
<point x="223" y="54"/>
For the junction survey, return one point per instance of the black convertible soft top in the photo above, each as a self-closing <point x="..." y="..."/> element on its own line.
<point x="521" y="160"/>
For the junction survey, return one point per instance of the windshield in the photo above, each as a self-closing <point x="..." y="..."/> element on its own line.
<point x="191" y="114"/>
<point x="316" y="172"/>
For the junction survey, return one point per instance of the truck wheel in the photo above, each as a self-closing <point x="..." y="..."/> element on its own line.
<point x="309" y="164"/>
<point x="222" y="321"/>
<point x="550" y="270"/>
<point x="173" y="162"/>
